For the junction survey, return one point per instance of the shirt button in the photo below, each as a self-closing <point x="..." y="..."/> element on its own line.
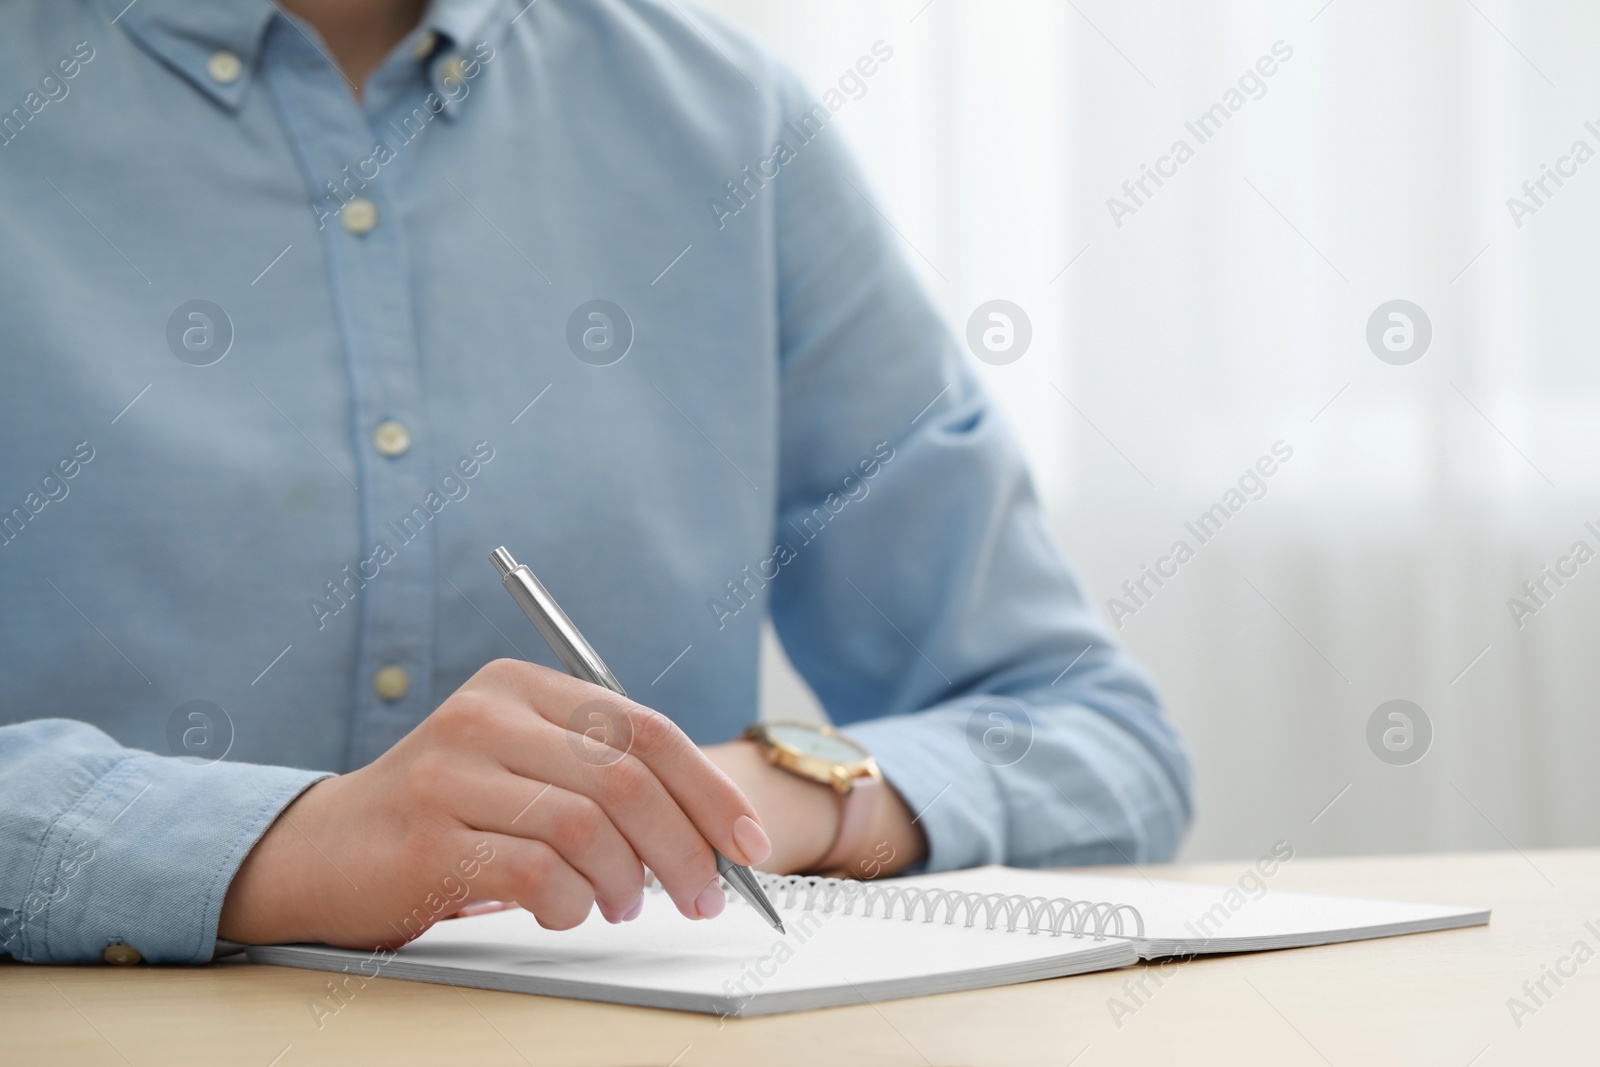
<point x="224" y="67"/>
<point x="425" y="44"/>
<point x="391" y="438"/>
<point x="122" y="954"/>
<point x="391" y="683"/>
<point x="454" y="70"/>
<point x="359" y="216"/>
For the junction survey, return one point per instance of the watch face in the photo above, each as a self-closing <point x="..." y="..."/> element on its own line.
<point x="811" y="742"/>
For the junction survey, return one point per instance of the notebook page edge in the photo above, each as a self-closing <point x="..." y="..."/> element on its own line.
<point x="1105" y="956"/>
<point x="325" y="958"/>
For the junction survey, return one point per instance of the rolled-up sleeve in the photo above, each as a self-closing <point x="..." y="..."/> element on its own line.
<point x="921" y="594"/>
<point x="102" y="844"/>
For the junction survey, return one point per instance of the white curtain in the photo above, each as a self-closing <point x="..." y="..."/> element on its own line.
<point x="1179" y="336"/>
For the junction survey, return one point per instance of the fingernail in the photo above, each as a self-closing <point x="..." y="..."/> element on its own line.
<point x="710" y="902"/>
<point x="633" y="912"/>
<point x="751" y="839"/>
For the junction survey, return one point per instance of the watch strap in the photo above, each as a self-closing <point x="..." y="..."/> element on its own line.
<point x="855" y="822"/>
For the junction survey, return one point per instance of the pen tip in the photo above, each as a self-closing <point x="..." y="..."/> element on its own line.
<point x="781" y="930"/>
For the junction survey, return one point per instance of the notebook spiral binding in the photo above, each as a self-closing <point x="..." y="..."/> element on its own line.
<point x="1056" y="915"/>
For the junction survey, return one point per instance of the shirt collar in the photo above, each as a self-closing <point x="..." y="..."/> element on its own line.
<point x="462" y="25"/>
<point x="195" y="37"/>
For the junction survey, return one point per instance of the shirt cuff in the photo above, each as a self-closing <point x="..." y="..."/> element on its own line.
<point x="145" y="856"/>
<point x="1067" y="787"/>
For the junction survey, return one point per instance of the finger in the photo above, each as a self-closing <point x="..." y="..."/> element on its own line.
<point x="631" y="800"/>
<point x="535" y="876"/>
<point x="532" y="746"/>
<point x="713" y="803"/>
<point x="571" y="823"/>
<point x="717" y="808"/>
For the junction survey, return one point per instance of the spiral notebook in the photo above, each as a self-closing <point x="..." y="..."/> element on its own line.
<point x="853" y="942"/>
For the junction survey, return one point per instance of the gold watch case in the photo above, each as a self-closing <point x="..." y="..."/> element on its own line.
<point x="815" y="766"/>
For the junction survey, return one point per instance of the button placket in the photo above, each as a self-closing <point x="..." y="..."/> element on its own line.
<point x="372" y="289"/>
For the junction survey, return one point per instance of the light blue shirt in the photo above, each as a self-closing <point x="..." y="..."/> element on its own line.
<point x="280" y="368"/>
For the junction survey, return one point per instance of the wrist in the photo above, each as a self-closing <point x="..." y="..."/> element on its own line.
<point x="261" y="905"/>
<point x="894" y="841"/>
<point x="800" y="817"/>
<point x="804" y="818"/>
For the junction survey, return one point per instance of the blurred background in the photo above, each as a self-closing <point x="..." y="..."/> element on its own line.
<point x="1178" y="337"/>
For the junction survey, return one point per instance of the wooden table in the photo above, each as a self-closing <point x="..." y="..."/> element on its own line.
<point x="1428" y="999"/>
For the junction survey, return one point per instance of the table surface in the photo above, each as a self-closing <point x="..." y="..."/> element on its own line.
<point x="1441" y="998"/>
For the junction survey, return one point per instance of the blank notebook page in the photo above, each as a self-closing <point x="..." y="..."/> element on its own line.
<point x="734" y="964"/>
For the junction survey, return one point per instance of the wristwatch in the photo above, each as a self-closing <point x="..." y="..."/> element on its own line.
<point x="822" y="754"/>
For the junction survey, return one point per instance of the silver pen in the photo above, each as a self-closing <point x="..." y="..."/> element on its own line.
<point x="580" y="659"/>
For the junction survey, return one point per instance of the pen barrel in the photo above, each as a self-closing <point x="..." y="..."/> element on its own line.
<point x="565" y="640"/>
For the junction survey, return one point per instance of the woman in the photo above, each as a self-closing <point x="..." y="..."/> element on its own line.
<point x="309" y="307"/>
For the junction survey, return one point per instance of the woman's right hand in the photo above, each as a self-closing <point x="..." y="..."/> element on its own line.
<point x="525" y="785"/>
